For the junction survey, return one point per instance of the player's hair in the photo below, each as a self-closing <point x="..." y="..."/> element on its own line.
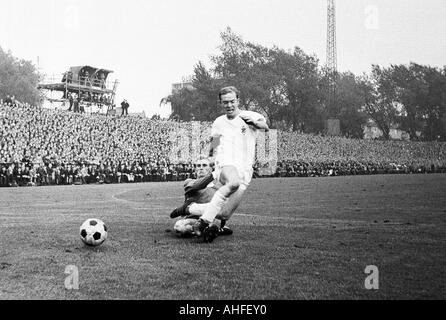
<point x="227" y="90"/>
<point x="201" y="159"/>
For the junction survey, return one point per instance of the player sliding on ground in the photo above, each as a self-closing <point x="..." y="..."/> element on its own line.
<point x="233" y="146"/>
<point x="198" y="193"/>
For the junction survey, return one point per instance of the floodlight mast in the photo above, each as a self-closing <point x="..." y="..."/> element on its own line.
<point x="331" y="36"/>
<point x="332" y="56"/>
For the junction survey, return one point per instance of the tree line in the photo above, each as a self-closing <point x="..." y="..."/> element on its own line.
<point x="296" y="93"/>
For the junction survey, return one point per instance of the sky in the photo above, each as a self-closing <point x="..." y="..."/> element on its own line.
<point x="151" y="44"/>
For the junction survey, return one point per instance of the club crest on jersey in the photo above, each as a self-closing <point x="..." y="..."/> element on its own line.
<point x="243" y="129"/>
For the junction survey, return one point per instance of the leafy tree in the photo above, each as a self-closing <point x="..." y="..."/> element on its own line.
<point x="379" y="97"/>
<point x="409" y="88"/>
<point x="420" y="91"/>
<point x="343" y="100"/>
<point x="350" y="101"/>
<point x="18" y="78"/>
<point x="182" y="104"/>
<point x="432" y="106"/>
<point x="296" y="89"/>
<point x="207" y="86"/>
<point x="246" y="66"/>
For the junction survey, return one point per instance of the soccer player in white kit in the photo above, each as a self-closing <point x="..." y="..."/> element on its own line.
<point x="233" y="146"/>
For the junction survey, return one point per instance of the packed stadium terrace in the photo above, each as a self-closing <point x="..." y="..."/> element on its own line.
<point x="40" y="146"/>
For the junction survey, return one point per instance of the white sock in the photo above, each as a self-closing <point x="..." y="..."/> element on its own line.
<point x="214" y="207"/>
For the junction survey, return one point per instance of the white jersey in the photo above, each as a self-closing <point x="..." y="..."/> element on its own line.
<point x="237" y="141"/>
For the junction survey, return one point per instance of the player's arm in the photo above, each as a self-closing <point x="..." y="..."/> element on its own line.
<point x="256" y="122"/>
<point x="261" y="124"/>
<point x="198" y="184"/>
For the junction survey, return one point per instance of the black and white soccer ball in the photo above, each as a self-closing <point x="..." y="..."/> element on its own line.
<point x="93" y="232"/>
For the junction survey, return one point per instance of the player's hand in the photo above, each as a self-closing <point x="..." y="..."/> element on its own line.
<point x="248" y="119"/>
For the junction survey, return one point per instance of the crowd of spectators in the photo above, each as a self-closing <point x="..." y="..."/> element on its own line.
<point x="49" y="173"/>
<point x="316" y="155"/>
<point x="40" y="146"/>
<point x="294" y="168"/>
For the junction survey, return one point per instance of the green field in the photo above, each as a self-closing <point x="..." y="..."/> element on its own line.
<point x="294" y="238"/>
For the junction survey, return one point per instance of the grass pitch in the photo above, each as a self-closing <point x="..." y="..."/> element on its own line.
<point x="294" y="238"/>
